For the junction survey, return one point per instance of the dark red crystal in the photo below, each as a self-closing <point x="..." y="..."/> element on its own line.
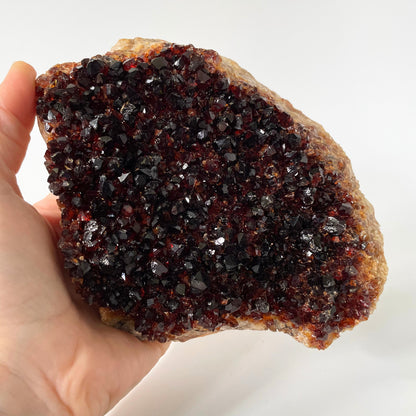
<point x="188" y="201"/>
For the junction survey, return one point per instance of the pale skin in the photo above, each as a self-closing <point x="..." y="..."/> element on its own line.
<point x="56" y="357"/>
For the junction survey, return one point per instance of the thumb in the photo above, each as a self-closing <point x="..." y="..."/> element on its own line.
<point x="17" y="114"/>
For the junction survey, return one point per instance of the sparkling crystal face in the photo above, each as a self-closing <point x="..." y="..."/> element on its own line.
<point x="189" y="202"/>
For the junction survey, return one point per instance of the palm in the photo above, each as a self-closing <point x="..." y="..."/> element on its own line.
<point x="83" y="364"/>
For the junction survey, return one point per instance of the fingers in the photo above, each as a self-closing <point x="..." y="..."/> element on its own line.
<point x="17" y="115"/>
<point x="48" y="208"/>
<point x="134" y="360"/>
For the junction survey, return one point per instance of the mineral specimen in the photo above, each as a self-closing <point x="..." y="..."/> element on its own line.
<point x="194" y="199"/>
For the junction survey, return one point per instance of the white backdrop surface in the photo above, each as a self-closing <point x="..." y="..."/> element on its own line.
<point x="350" y="65"/>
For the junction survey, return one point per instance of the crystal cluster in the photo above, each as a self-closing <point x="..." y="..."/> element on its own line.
<point x="191" y="202"/>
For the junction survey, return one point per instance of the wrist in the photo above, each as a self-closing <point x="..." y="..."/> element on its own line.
<point x="22" y="396"/>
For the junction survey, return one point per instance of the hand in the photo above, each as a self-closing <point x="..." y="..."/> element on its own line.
<point x="56" y="357"/>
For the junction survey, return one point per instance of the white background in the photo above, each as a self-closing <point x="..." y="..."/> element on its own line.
<point x="350" y="65"/>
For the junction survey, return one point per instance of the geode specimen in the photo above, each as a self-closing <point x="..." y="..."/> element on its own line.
<point x="194" y="199"/>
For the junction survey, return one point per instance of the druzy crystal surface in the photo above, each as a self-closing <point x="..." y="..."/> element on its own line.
<point x="188" y="201"/>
